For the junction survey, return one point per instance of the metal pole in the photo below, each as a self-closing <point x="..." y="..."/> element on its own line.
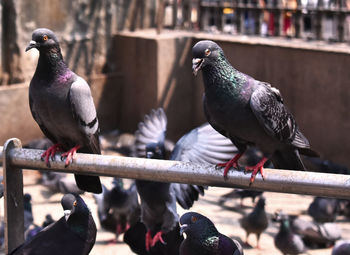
<point x="13" y="192"/>
<point x="285" y="181"/>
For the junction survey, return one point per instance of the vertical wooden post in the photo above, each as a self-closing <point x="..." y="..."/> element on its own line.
<point x="13" y="187"/>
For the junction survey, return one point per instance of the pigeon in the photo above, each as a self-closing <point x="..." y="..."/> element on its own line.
<point x="341" y="248"/>
<point x="316" y="235"/>
<point x="248" y="112"/>
<point x="158" y="200"/>
<point x="287" y="241"/>
<point x="59" y="183"/>
<point x="61" y="103"/>
<point x="256" y="221"/>
<point x="202" y="237"/>
<point x="240" y="193"/>
<point x="31" y="232"/>
<point x="74" y="233"/>
<point x="323" y="209"/>
<point x="28" y="213"/>
<point x="118" y="208"/>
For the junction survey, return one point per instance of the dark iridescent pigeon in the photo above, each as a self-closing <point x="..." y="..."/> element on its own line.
<point x="62" y="105"/>
<point x="256" y="221"/>
<point x="158" y="200"/>
<point x="287" y="241"/>
<point x="202" y="237"/>
<point x="74" y="233"/>
<point x="249" y="112"/>
<point x="118" y="208"/>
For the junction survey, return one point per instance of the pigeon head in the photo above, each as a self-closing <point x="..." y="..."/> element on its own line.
<point x="205" y="53"/>
<point x="155" y="151"/>
<point x="194" y="224"/>
<point x="73" y="203"/>
<point x="43" y="39"/>
<point x="261" y="203"/>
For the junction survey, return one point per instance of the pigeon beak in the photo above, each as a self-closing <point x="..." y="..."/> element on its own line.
<point x="32" y="44"/>
<point x="66" y="214"/>
<point x="183" y="228"/>
<point x="197" y="65"/>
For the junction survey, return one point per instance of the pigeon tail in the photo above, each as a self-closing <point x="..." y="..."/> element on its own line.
<point x="287" y="159"/>
<point x="88" y="183"/>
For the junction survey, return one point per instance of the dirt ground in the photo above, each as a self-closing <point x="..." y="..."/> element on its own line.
<point x="224" y="216"/>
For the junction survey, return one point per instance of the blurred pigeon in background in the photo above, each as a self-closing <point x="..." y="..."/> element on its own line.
<point x="62" y="105"/>
<point x="118" y="208"/>
<point x="74" y="233"/>
<point x="286" y="240"/>
<point x="57" y="182"/>
<point x="256" y="221"/>
<point x="249" y="112"/>
<point x="323" y="209"/>
<point x="341" y="248"/>
<point x="203" y="238"/>
<point x="158" y="200"/>
<point x="28" y="213"/>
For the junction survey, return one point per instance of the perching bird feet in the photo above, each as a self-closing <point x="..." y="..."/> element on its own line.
<point x="257" y="168"/>
<point x="150" y="242"/>
<point x="50" y="153"/>
<point x="70" y="155"/>
<point x="232" y="163"/>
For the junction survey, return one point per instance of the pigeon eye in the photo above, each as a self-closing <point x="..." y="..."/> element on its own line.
<point x="45" y="38"/>
<point x="193" y="219"/>
<point x="75" y="203"/>
<point x="207" y="52"/>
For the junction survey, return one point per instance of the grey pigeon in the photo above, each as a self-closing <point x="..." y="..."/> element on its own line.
<point x="202" y="237"/>
<point x="118" y="208"/>
<point x="256" y="221"/>
<point x="341" y="248"/>
<point x="74" y="233"/>
<point x="59" y="183"/>
<point x="241" y="194"/>
<point x="287" y="241"/>
<point x="323" y="209"/>
<point x="249" y="112"/>
<point x="62" y="105"/>
<point x="316" y="235"/>
<point x="158" y="200"/>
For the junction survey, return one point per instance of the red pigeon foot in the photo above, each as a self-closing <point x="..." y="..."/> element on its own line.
<point x="257" y="168"/>
<point x="232" y="163"/>
<point x="70" y="155"/>
<point x="50" y="152"/>
<point x="158" y="238"/>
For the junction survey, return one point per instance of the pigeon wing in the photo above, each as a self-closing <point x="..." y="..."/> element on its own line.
<point x="151" y="130"/>
<point x="267" y="105"/>
<point x="84" y="111"/>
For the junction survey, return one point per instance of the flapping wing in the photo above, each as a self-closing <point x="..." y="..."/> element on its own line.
<point x="151" y="130"/>
<point x="204" y="145"/>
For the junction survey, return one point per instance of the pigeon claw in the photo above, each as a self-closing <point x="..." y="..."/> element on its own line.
<point x="70" y="155"/>
<point x="50" y="153"/>
<point x="158" y="238"/>
<point x="148" y="240"/>
<point x="257" y="168"/>
<point x="232" y="163"/>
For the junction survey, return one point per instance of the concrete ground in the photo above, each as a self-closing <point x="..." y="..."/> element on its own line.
<point x="225" y="217"/>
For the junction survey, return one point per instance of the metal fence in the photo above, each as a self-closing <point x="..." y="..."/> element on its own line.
<point x="326" y="20"/>
<point x="15" y="159"/>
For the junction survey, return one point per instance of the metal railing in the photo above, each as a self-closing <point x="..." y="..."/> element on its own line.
<point x="15" y="159"/>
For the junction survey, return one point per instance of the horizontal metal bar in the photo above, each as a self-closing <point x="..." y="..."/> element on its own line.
<point x="285" y="181"/>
